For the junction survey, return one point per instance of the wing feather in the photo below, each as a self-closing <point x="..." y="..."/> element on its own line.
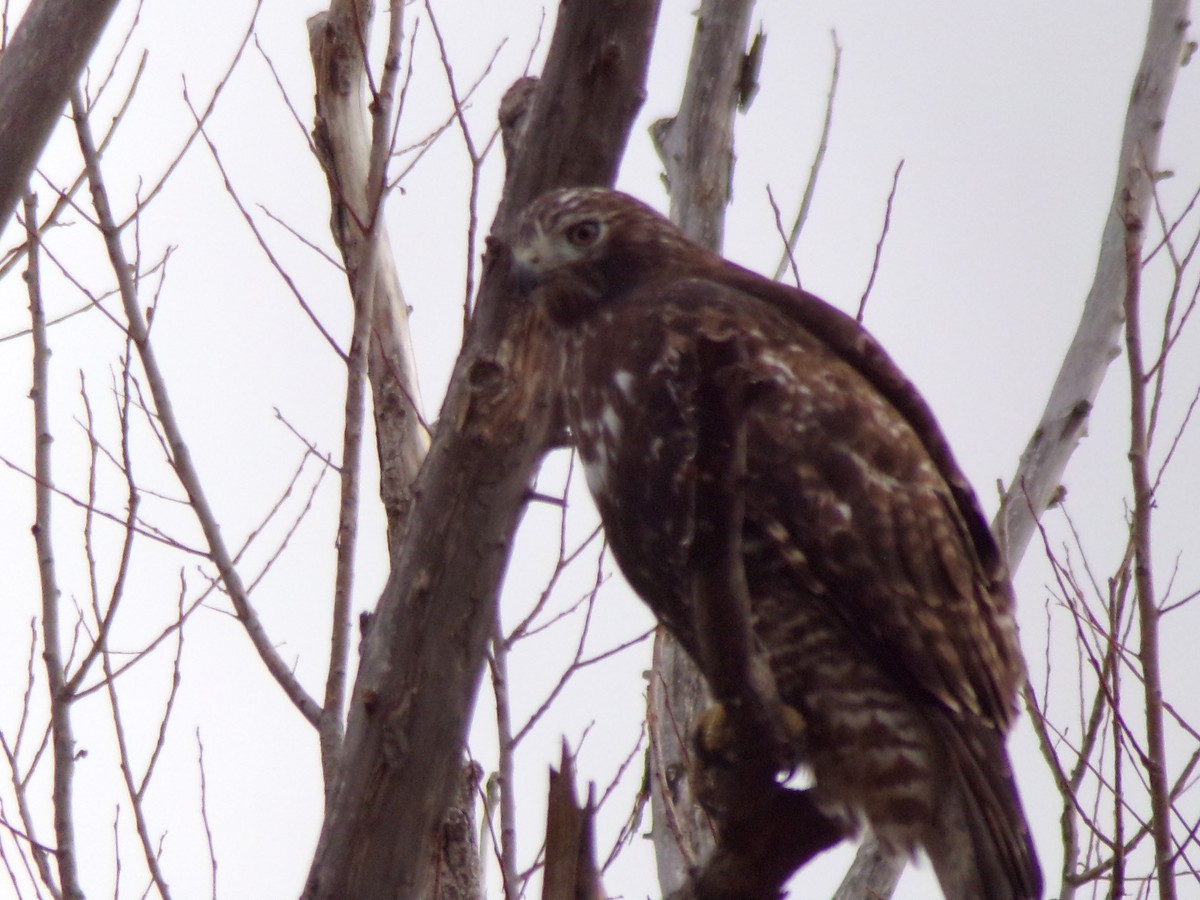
<point x="857" y="494"/>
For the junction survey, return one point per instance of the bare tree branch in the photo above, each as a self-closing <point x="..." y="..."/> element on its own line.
<point x="60" y="700"/>
<point x="180" y="456"/>
<point x="1154" y="759"/>
<point x="355" y="163"/>
<point x="1095" y="344"/>
<point x="810" y="186"/>
<point x="883" y="233"/>
<point x="696" y="144"/>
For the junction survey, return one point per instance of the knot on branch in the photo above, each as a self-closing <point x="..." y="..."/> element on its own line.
<point x="514" y="115"/>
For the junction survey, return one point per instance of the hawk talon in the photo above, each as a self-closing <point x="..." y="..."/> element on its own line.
<point x="716" y="742"/>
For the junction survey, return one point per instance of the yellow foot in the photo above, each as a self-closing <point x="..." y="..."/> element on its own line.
<point x="716" y="741"/>
<point x="733" y="780"/>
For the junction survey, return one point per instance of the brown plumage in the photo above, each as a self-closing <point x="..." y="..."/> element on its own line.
<point x="877" y="591"/>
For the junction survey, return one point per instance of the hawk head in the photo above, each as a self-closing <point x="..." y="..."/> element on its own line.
<point x="586" y="247"/>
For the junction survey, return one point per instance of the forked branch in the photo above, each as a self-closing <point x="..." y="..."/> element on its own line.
<point x="180" y="457"/>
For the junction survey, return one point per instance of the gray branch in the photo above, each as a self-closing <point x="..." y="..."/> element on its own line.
<point x="1096" y="342"/>
<point x="38" y="69"/>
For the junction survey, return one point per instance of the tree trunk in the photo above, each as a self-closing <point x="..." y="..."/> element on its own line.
<point x="423" y="657"/>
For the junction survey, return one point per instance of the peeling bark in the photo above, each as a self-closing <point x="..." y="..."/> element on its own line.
<point x="343" y="143"/>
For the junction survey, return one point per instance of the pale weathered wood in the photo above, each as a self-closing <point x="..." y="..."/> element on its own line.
<point x="423" y="655"/>
<point x="696" y="145"/>
<point x="1096" y="342"/>
<point x="380" y="341"/>
<point x="343" y="141"/>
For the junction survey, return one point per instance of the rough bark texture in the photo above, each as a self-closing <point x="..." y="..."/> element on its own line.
<point x="456" y="861"/>
<point x="696" y="146"/>
<point x="682" y="833"/>
<point x="423" y="656"/>
<point x="38" y="69"/>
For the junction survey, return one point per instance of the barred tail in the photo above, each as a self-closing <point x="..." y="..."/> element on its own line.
<point x="980" y="844"/>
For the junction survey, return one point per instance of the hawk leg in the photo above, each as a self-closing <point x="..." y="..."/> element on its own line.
<point x="732" y="658"/>
<point x="765" y="831"/>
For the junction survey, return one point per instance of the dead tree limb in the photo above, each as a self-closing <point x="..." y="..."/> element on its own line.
<point x="62" y="738"/>
<point x="354" y="157"/>
<point x="344" y="145"/>
<point x="571" y="871"/>
<point x="1096" y="341"/>
<point x="1155" y="755"/>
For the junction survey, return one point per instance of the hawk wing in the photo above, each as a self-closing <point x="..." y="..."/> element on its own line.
<point x="839" y="487"/>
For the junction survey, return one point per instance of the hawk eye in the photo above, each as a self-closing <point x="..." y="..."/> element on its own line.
<point x="584" y="234"/>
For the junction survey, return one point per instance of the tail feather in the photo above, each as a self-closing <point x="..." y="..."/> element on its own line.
<point x="980" y="845"/>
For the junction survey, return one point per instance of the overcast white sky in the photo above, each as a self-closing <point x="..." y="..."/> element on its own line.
<point x="1007" y="117"/>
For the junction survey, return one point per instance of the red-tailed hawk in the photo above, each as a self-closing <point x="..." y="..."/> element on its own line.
<point x="877" y="593"/>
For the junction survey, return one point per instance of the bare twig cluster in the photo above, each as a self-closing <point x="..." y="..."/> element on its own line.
<point x="1126" y="802"/>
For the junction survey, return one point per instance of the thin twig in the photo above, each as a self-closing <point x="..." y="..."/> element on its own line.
<point x="787" y="248"/>
<point x="104" y="619"/>
<point x="60" y="707"/>
<point x="258" y="236"/>
<point x="208" y="835"/>
<point x="180" y="455"/>
<point x="1148" y="617"/>
<point x="203" y="117"/>
<point x="810" y="186"/>
<point x="505" y="782"/>
<point x="287" y="99"/>
<point x="475" y="158"/>
<point x="887" y="222"/>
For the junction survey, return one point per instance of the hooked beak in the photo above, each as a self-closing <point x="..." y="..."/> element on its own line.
<point x="526" y="273"/>
<point x="528" y="266"/>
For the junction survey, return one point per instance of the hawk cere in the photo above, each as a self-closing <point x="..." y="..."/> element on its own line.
<point x="877" y="594"/>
